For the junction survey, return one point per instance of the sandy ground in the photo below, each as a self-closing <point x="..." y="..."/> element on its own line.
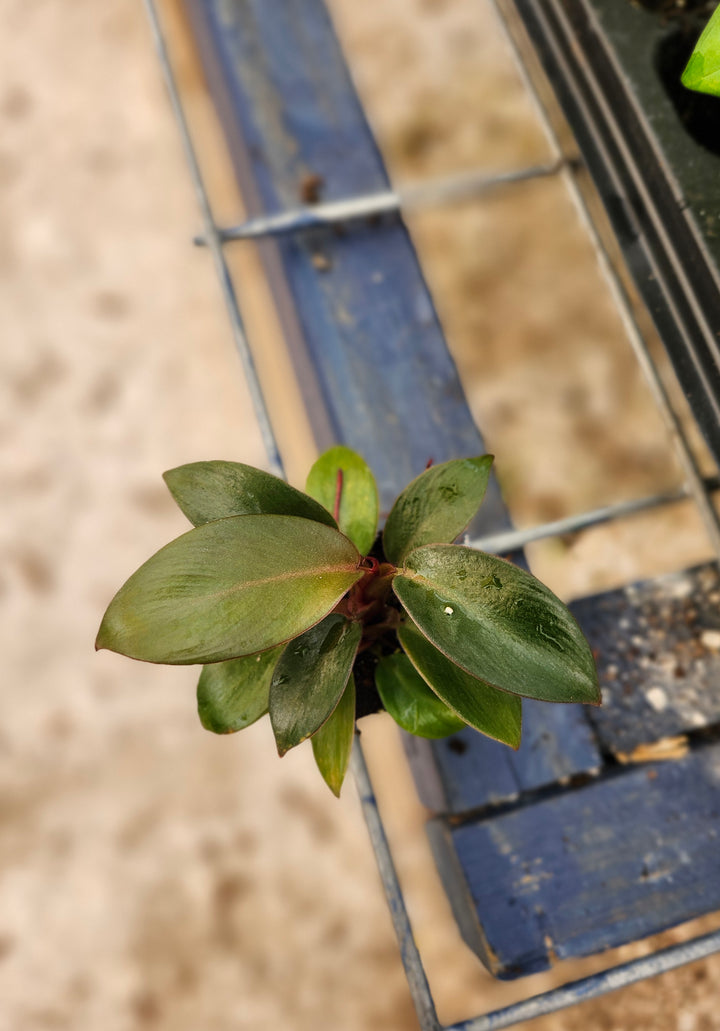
<point x="151" y="875"/>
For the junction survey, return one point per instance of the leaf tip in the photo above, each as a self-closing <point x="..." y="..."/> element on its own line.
<point x="169" y="477"/>
<point x="102" y="641"/>
<point x="692" y="75"/>
<point x="594" y="695"/>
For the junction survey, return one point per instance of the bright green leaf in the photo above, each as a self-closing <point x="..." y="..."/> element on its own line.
<point x="229" y="588"/>
<point x="410" y="701"/>
<point x="206" y="491"/>
<point x="231" y="695"/>
<point x="310" y="678"/>
<point x="492" y="712"/>
<point x="437" y="506"/>
<point x="703" y="69"/>
<point x="498" y="623"/>
<point x="332" y="743"/>
<point x="358" y="517"/>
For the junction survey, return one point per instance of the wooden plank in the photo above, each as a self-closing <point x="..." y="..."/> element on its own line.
<point x="657" y="647"/>
<point x="370" y="353"/>
<point x="466" y="772"/>
<point x="587" y="869"/>
<point x="355" y="306"/>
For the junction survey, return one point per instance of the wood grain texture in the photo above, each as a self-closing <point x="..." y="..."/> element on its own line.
<point x="657" y="647"/>
<point x="589" y="868"/>
<point x="466" y="772"/>
<point x="369" y="349"/>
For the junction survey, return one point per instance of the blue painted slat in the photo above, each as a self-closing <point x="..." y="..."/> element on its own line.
<point x="466" y="772"/>
<point x="589" y="869"/>
<point x="360" y="318"/>
<point x="385" y="380"/>
<point x="657" y="645"/>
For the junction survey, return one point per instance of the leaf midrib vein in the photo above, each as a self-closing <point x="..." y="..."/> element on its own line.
<point x="280" y="578"/>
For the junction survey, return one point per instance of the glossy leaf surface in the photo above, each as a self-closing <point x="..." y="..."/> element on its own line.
<point x="703" y="69"/>
<point x="437" y="506"/>
<point x="206" y="491"/>
<point x="310" y="678"/>
<point x="332" y="743"/>
<point x="409" y="700"/>
<point x="358" y="517"/>
<point x="498" y="623"/>
<point x="492" y="712"/>
<point x="229" y="588"/>
<point x="231" y="695"/>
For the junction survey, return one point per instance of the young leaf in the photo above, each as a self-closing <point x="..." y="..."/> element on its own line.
<point x="703" y="69"/>
<point x="332" y="743"/>
<point x="231" y="695"/>
<point x="229" y="588"/>
<point x="410" y="701"/>
<point x="497" y="623"/>
<point x="310" y="678"/>
<point x="206" y="491"/>
<point x="492" y="712"/>
<point x="436" y="507"/>
<point x="358" y="515"/>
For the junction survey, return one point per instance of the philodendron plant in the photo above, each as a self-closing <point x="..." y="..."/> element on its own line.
<point x="295" y="607"/>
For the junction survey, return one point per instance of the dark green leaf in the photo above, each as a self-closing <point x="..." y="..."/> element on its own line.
<point x="231" y="695"/>
<point x="359" y="497"/>
<point x="703" y="69"/>
<point x="436" y="507"/>
<point x="229" y="588"/>
<point x="498" y="623"/>
<point x="332" y="743"/>
<point x="206" y="491"/>
<point x="310" y="678"/>
<point x="492" y="712"/>
<point x="410" y="701"/>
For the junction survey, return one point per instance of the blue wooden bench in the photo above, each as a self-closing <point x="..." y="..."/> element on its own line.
<point x="603" y="827"/>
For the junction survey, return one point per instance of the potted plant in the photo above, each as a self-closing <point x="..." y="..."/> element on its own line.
<point x="297" y="608"/>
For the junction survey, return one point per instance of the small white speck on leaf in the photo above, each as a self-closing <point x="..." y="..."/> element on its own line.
<point x="448" y="610"/>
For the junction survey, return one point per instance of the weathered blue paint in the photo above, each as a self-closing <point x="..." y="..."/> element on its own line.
<point x="368" y="345"/>
<point x="657" y="646"/>
<point x="467" y="772"/>
<point x="586" y="869"/>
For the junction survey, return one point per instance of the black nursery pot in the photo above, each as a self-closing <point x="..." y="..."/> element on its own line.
<point x="653" y="150"/>
<point x="367" y="697"/>
<point x="650" y="42"/>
